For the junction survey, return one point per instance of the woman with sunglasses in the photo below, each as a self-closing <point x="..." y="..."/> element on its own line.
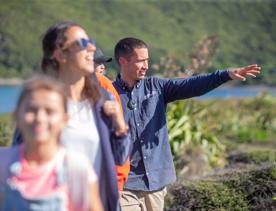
<point x="96" y="127"/>
<point x="39" y="174"/>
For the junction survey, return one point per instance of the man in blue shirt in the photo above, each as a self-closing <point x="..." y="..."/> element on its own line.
<point x="144" y="100"/>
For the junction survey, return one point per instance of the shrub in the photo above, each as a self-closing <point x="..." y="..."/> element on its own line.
<point x="248" y="189"/>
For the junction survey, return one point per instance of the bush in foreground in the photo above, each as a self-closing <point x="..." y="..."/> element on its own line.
<point x="252" y="188"/>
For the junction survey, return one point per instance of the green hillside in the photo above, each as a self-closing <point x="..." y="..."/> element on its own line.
<point x="246" y="30"/>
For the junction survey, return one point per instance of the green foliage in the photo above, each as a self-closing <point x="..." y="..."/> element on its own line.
<point x="258" y="185"/>
<point x="259" y="156"/>
<point x="247" y="189"/>
<point x="273" y="173"/>
<point x="205" y="196"/>
<point x="186" y="128"/>
<point x="211" y="124"/>
<point x="6" y="129"/>
<point x="245" y="120"/>
<point x="245" y="30"/>
<point x="220" y="197"/>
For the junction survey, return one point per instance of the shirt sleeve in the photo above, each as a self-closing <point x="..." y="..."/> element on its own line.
<point x="183" y="88"/>
<point x="121" y="148"/>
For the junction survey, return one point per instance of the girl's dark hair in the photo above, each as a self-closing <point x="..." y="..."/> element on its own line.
<point x="54" y="38"/>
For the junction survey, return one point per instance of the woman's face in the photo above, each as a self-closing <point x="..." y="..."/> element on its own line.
<point x="78" y="52"/>
<point x="41" y="117"/>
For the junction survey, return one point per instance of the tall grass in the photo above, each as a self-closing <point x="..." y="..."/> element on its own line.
<point x="212" y="124"/>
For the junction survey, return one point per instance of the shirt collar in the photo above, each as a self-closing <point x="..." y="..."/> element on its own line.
<point x="124" y="85"/>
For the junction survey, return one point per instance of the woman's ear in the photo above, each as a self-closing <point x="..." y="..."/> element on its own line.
<point x="59" y="55"/>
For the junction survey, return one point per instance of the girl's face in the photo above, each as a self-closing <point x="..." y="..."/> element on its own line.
<point x="78" y="52"/>
<point x="41" y="117"/>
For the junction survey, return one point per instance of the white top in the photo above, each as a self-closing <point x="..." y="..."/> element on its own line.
<point x="81" y="133"/>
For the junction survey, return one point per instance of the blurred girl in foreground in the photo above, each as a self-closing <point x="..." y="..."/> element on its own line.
<point x="39" y="174"/>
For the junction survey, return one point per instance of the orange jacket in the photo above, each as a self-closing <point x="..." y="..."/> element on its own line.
<point x="122" y="171"/>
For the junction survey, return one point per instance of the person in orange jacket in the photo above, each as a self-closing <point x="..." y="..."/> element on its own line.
<point x="99" y="61"/>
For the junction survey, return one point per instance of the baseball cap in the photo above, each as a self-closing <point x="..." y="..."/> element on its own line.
<point x="100" y="58"/>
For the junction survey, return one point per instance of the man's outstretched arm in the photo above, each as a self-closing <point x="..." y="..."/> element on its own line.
<point x="183" y="88"/>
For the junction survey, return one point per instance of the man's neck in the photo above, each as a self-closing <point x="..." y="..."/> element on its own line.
<point x="129" y="82"/>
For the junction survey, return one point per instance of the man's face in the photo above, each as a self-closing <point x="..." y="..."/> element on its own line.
<point x="135" y="67"/>
<point x="99" y="68"/>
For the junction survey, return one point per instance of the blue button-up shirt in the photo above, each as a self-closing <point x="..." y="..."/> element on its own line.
<point x="151" y="162"/>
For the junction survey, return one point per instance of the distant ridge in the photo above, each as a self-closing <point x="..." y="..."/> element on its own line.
<point x="10" y="81"/>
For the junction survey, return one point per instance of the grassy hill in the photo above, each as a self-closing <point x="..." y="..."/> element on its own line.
<point x="245" y="29"/>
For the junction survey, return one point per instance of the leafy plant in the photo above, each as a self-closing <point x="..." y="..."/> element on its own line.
<point x="244" y="120"/>
<point x="6" y="130"/>
<point x="186" y="128"/>
<point x="245" y="189"/>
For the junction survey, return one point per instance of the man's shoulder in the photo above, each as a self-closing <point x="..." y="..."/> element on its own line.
<point x="154" y="81"/>
<point x="151" y="79"/>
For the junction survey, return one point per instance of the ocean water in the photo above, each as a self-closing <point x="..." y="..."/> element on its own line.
<point x="8" y="98"/>
<point x="9" y="94"/>
<point x="238" y="92"/>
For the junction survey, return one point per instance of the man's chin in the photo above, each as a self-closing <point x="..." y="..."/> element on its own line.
<point x="141" y="77"/>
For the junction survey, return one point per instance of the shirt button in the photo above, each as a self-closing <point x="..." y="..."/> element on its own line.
<point x="147" y="173"/>
<point x="145" y="157"/>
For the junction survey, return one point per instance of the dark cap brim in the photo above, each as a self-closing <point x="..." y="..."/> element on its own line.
<point x="102" y="59"/>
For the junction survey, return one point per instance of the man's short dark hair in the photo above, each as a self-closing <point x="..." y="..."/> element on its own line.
<point x="125" y="47"/>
